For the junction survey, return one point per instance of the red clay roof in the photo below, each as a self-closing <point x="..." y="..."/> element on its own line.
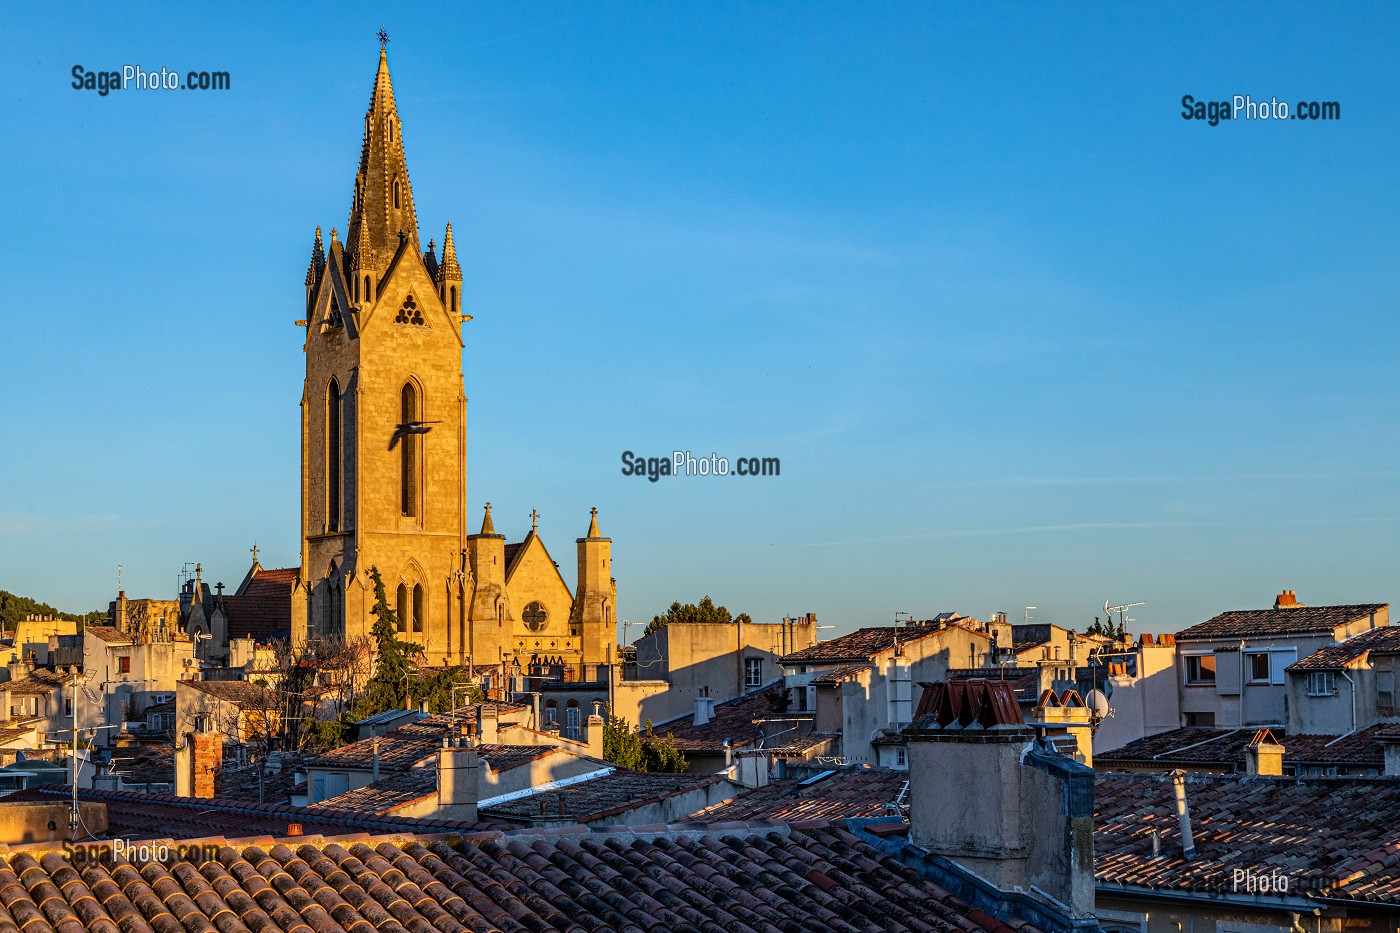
<point x="164" y="816"/>
<point x="1261" y="623"/>
<point x="734" y="720"/>
<point x="262" y="610"/>
<point x="1199" y="746"/>
<point x="401" y="748"/>
<point x="864" y="644"/>
<point x="601" y="798"/>
<point x="1331" y="837"/>
<point x="1344" y="654"/>
<point x="240" y="692"/>
<point x="108" y="633"/>
<point x="849" y="793"/>
<point x="811" y="876"/>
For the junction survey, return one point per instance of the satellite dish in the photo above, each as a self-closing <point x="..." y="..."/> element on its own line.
<point x="1098" y="703"/>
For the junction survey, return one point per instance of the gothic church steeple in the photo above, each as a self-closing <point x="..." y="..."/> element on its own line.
<point x="382" y="207"/>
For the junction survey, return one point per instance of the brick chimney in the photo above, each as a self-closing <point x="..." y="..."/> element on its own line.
<point x="1264" y="757"/>
<point x="208" y="759"/>
<point x="1003" y="806"/>
<point x="457" y="774"/>
<point x="1287" y="600"/>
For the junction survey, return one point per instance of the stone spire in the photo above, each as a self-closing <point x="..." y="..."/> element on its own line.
<point x="449" y="271"/>
<point x="318" y="261"/>
<point x="593" y="531"/>
<point x="488" y="527"/>
<point x="383" y="201"/>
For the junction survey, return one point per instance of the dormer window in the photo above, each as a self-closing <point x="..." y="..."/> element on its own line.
<point x="333" y="316"/>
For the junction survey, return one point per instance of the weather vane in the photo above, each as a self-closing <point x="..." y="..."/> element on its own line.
<point x="383" y="36"/>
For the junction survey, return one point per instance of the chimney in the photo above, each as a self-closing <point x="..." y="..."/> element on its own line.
<point x="702" y="707"/>
<point x="374" y="746"/>
<point x="1264" y="757"/>
<point x="488" y="720"/>
<point x="594" y="735"/>
<point x="208" y="759"/>
<point x="184" y="766"/>
<point x="457" y="768"/>
<point x="1183" y="815"/>
<point x="985" y="793"/>
<point x="1390" y="745"/>
<point x="1287" y="600"/>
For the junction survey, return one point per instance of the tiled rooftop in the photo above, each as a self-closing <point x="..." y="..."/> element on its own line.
<point x="403" y="747"/>
<point x="1294" y="620"/>
<point x="849" y="793"/>
<point x="1343" y="654"/>
<point x="601" y="798"/>
<point x="740" y="880"/>
<point x="164" y="816"/>
<point x="1330" y="837"/>
<point x="419" y="783"/>
<point x="263" y="608"/>
<point x="108" y="633"/>
<point x="733" y="720"/>
<point x="1225" y="748"/>
<point x="240" y="692"/>
<point x="864" y="644"/>
<point x="38" y="682"/>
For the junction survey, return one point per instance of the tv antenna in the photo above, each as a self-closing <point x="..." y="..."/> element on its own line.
<point x="1121" y="610"/>
<point x="1028" y="613"/>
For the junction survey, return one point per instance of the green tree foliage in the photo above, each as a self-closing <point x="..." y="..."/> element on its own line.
<point x="703" y="611"/>
<point x="326" y="733"/>
<point x="396" y="676"/>
<point x="644" y="751"/>
<point x="14" y="608"/>
<point x="393" y="667"/>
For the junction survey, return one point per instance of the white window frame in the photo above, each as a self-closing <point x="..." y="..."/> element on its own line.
<point x="1186" y="674"/>
<point x="753" y="672"/>
<point x="1322" y="684"/>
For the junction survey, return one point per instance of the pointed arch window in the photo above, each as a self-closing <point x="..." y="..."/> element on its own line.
<point x="333" y="456"/>
<point x="408" y="452"/>
<point x="453" y="306"/>
<point x="401" y="608"/>
<point x="396" y="193"/>
<point x="417" y="607"/>
<point x="369" y="295"/>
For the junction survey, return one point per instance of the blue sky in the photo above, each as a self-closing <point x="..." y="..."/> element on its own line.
<point x="1020" y="334"/>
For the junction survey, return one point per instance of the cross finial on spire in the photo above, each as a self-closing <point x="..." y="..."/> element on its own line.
<point x="255" y="553"/>
<point x="534" y="520"/>
<point x="382" y="36"/>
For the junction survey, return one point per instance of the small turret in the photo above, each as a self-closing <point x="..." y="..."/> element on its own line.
<point x="449" y="276"/>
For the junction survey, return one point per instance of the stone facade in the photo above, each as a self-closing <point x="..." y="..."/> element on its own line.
<point x="384" y="451"/>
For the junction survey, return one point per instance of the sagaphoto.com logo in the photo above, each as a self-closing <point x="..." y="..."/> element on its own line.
<point x="1245" y="107"/>
<point x="134" y="77"/>
<point x="684" y="463"/>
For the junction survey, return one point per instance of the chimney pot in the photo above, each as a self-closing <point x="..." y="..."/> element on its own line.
<point x="293" y="829"/>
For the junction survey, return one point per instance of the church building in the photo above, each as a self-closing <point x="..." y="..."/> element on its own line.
<point x="384" y="453"/>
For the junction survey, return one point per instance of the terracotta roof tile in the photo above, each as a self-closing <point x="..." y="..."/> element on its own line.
<point x="1343" y="654"/>
<point x="1300" y="620"/>
<point x="1201" y="747"/>
<point x="864" y="644"/>
<point x="1330" y="837"/>
<point x="108" y="633"/>
<point x="735" y="720"/>
<point x="849" y="793"/>
<point x="812" y="877"/>
<point x="403" y="747"/>
<point x="601" y="798"/>
<point x="241" y="692"/>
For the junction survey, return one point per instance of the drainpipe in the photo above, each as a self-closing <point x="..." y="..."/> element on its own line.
<point x="1244" y="684"/>
<point x="375" y="745"/>
<point x="1183" y="814"/>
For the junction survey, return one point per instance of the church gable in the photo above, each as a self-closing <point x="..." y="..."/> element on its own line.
<point x="539" y="595"/>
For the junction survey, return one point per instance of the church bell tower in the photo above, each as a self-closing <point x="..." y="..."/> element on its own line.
<point x="384" y="412"/>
